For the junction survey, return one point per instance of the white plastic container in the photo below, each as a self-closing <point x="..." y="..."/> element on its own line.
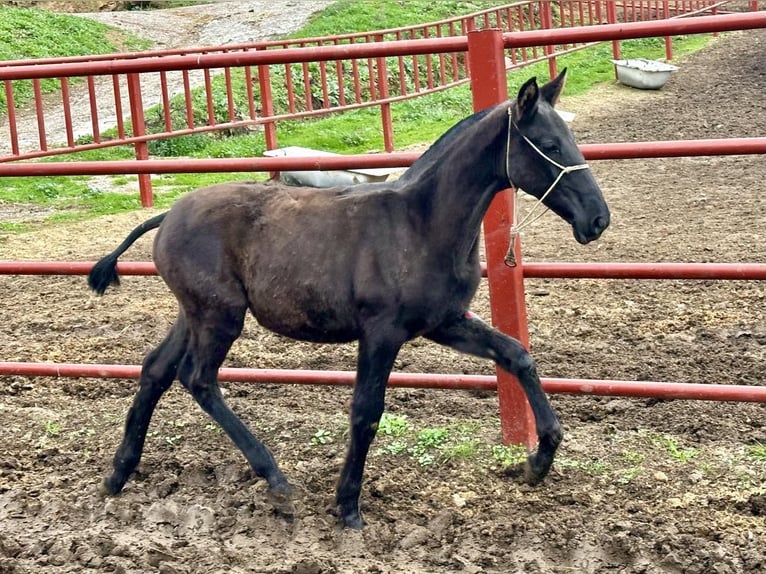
<point x="642" y="73"/>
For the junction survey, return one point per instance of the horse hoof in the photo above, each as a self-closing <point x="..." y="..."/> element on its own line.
<point x="353" y="521"/>
<point x="534" y="473"/>
<point x="110" y="487"/>
<point x="281" y="499"/>
<point x="526" y="472"/>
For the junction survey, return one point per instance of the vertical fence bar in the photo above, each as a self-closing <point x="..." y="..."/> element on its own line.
<point x="323" y="82"/>
<point x="249" y="91"/>
<point x="290" y="88"/>
<point x="668" y="39"/>
<point x="66" y="103"/>
<point x="385" y="107"/>
<point x="93" y="109"/>
<point x="307" y="86"/>
<point x="339" y="65"/>
<point x="402" y="70"/>
<point x="139" y="129"/>
<point x="165" y="96"/>
<point x="210" y="106"/>
<point x="11" y="105"/>
<point x="39" y="111"/>
<point x="118" y="106"/>
<point x="188" y="99"/>
<point x="506" y="284"/>
<point x="429" y="63"/>
<point x="611" y="18"/>
<point x="546" y="23"/>
<point x="232" y="115"/>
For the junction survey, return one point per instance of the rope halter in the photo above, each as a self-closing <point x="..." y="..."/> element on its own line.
<point x="532" y="215"/>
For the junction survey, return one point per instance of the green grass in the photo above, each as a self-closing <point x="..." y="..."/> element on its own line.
<point x="415" y="121"/>
<point x="32" y="33"/>
<point x="349" y="16"/>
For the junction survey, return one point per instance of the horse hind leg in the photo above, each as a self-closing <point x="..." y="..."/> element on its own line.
<point x="157" y="374"/>
<point x="212" y="336"/>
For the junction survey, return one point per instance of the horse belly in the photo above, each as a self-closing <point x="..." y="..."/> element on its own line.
<point x="306" y="314"/>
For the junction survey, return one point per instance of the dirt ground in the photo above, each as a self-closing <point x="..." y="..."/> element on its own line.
<point x="640" y="485"/>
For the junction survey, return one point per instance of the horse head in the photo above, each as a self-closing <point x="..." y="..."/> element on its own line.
<point x="544" y="160"/>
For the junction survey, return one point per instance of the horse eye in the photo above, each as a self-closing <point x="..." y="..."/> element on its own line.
<point x="551" y="149"/>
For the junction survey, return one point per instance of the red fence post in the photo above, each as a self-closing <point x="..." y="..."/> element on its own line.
<point x="506" y="284"/>
<point x="139" y="129"/>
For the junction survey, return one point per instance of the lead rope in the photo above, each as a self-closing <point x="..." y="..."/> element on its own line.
<point x="531" y="216"/>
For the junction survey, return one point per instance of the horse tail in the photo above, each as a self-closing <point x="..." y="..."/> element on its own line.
<point x="104" y="272"/>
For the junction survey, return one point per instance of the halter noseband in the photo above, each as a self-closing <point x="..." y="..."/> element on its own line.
<point x="531" y="217"/>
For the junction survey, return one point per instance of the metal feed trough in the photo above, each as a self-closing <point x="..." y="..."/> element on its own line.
<point x="642" y="73"/>
<point x="328" y="178"/>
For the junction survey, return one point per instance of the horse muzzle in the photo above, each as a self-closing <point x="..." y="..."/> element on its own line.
<point x="590" y="230"/>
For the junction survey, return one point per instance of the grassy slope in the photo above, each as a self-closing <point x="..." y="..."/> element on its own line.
<point x="31" y="33"/>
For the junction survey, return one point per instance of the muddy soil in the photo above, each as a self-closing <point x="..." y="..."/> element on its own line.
<point x="640" y="485"/>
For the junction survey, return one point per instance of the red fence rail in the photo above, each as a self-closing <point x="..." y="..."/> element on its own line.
<point x="486" y="59"/>
<point x="310" y="87"/>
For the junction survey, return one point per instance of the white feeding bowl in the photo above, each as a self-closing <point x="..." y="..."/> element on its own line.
<point x="326" y="178"/>
<point x="642" y="73"/>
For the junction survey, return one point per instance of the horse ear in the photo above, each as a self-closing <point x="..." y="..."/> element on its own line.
<point x="552" y="90"/>
<point x="526" y="102"/>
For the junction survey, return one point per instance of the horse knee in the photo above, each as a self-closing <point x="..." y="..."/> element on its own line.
<point x="524" y="367"/>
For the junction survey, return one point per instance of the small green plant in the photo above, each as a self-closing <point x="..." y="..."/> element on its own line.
<point x="321" y="437"/>
<point x="393" y="425"/>
<point x="628" y="475"/>
<point x="173" y="440"/>
<point x="757" y="451"/>
<point x="433" y="438"/>
<point x="392" y="448"/>
<point x="674" y="450"/>
<point x="508" y="455"/>
<point x="464" y="450"/>
<point x="633" y="457"/>
<point x="52" y="428"/>
<point x="429" y="444"/>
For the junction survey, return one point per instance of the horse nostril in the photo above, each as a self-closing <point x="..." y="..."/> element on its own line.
<point x="601" y="222"/>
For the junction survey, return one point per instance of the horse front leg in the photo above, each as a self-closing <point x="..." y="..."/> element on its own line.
<point x="469" y="334"/>
<point x="376" y="358"/>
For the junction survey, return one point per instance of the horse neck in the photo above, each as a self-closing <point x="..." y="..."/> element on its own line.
<point x="454" y="191"/>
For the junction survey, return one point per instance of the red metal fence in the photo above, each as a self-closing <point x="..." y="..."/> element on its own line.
<point x="486" y="57"/>
<point x="259" y="94"/>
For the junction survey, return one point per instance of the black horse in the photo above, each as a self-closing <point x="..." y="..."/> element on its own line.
<point x="379" y="263"/>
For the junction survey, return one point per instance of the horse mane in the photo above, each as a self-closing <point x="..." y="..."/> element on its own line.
<point x="427" y="158"/>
